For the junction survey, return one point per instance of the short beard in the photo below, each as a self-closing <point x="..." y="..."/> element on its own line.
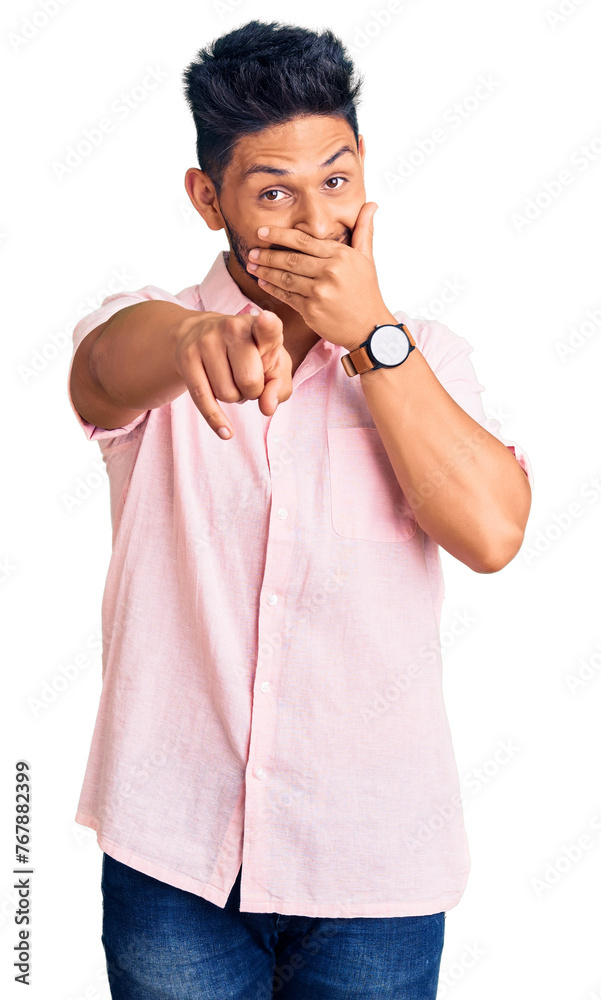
<point x="241" y="249"/>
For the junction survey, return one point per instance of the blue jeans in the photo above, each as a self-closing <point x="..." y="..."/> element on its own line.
<point x="162" y="942"/>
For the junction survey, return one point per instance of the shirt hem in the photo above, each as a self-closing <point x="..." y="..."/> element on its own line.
<point x="401" y="908"/>
<point x="148" y="866"/>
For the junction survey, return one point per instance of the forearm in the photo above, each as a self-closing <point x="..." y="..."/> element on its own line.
<point x="465" y="487"/>
<point x="132" y="361"/>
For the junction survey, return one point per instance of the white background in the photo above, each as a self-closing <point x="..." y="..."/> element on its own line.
<point x="528" y="924"/>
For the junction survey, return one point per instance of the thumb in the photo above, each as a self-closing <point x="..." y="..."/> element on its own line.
<point x="363" y="233"/>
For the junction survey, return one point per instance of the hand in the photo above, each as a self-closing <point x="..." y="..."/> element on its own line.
<point x="234" y="358"/>
<point x="333" y="286"/>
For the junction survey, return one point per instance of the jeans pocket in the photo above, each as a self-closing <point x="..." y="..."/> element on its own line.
<point x="367" y="501"/>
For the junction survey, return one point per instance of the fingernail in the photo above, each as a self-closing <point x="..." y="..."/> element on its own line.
<point x="223" y="432"/>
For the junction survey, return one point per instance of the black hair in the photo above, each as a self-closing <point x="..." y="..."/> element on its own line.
<point x="264" y="74"/>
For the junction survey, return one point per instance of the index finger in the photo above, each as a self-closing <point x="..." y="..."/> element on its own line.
<point x="203" y="397"/>
<point x="266" y="336"/>
<point x="297" y="239"/>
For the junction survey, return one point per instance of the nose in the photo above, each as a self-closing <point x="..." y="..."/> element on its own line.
<point x="312" y="217"/>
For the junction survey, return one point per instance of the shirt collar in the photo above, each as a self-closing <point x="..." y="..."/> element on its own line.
<point x="220" y="293"/>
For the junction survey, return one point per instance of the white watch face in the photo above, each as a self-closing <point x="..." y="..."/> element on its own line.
<point x="389" y="345"/>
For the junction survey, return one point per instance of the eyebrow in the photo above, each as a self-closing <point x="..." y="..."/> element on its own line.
<point x="264" y="168"/>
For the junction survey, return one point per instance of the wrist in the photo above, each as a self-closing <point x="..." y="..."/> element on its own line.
<point x="382" y="318"/>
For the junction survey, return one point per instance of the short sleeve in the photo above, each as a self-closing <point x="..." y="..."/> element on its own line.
<point x="448" y="356"/>
<point x="111" y="305"/>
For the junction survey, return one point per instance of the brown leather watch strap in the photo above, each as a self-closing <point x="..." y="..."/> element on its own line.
<point x="356" y="362"/>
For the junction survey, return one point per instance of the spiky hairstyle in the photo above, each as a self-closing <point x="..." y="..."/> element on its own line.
<point x="264" y="74"/>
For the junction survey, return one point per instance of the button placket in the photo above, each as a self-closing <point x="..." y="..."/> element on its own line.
<point x="271" y="608"/>
<point x="263" y="781"/>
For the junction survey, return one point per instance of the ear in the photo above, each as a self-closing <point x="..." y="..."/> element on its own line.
<point x="361" y="150"/>
<point x="202" y="194"/>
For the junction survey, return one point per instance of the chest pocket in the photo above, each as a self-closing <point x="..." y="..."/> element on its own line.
<point x="367" y="501"/>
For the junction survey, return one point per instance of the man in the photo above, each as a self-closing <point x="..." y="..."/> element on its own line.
<point x="271" y="775"/>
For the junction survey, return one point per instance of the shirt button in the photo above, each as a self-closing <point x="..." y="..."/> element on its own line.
<point x="272" y="599"/>
<point x="260" y="772"/>
<point x="265" y="686"/>
<point x="282" y="513"/>
<point x="276" y="438"/>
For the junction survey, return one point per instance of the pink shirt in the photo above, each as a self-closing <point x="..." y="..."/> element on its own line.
<point x="271" y="662"/>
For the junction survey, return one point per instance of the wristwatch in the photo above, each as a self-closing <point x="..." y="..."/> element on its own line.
<point x="387" y="346"/>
